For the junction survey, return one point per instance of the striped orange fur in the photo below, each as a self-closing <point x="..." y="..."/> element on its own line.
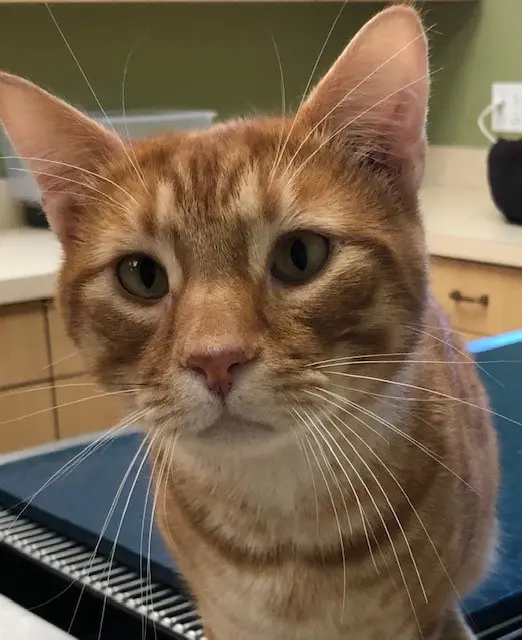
<point x="324" y="462"/>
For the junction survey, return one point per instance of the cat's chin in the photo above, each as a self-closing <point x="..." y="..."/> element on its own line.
<point x="230" y="429"/>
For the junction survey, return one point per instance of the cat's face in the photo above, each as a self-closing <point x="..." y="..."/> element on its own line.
<point x="210" y="271"/>
<point x="214" y="286"/>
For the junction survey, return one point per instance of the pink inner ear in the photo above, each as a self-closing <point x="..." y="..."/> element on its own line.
<point x="411" y="144"/>
<point x="60" y="145"/>
<point x="375" y="95"/>
<point x="54" y="207"/>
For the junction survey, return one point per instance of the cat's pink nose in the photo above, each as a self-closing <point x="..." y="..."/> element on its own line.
<point x="218" y="367"/>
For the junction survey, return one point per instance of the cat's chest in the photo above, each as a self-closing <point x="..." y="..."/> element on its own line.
<point x="261" y="607"/>
<point x="255" y="598"/>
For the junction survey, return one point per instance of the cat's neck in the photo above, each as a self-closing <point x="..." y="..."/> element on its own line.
<point x="290" y="474"/>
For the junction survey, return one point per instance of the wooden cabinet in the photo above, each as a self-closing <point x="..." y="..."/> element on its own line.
<point x="66" y="360"/>
<point x="26" y="417"/>
<point x="481" y="299"/>
<point x="44" y="392"/>
<point x="23" y="346"/>
<point x="83" y="407"/>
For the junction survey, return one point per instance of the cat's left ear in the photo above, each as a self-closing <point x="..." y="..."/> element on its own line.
<point x="374" y="99"/>
<point x="60" y="145"/>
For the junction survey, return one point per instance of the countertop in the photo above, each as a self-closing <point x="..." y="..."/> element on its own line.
<point x="460" y="223"/>
<point x="29" y="262"/>
<point x="464" y="223"/>
<point x="20" y="624"/>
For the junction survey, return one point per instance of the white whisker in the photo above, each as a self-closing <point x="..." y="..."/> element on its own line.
<point x="344" y="99"/>
<point x="167" y="477"/>
<point x="146" y="504"/>
<point x="124" y="513"/>
<point x="462" y="334"/>
<point x="358" y="357"/>
<point x="398" y="431"/>
<point x="408" y="361"/>
<point x="302" y="446"/>
<point x="334" y="508"/>
<point x="390" y="506"/>
<point x="283" y="103"/>
<point x="134" y="159"/>
<point x="23" y="390"/>
<point x="85" y="185"/>
<point x="68" y="404"/>
<point x="412" y="506"/>
<point x="110" y="513"/>
<point x="457" y="350"/>
<point x="426" y="390"/>
<point x="55" y="362"/>
<point x="352" y="487"/>
<point x="75" y="462"/>
<point x="280" y="152"/>
<point x="94" y="174"/>
<point x="350" y="123"/>
<point x="85" y="197"/>
<point x="378" y="483"/>
<point x="162" y="476"/>
<point x="399" y="398"/>
<point x="87" y="81"/>
<point x="330" y="467"/>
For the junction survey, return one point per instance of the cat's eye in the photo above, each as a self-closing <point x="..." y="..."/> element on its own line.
<point x="141" y="276"/>
<point x="299" y="256"/>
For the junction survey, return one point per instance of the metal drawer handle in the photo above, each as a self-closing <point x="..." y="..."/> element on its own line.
<point x="457" y="296"/>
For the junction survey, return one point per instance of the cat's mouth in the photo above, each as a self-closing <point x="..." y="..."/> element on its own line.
<point x="228" y="427"/>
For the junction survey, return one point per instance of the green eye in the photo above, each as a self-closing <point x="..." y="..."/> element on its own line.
<point x="143" y="277"/>
<point x="299" y="256"/>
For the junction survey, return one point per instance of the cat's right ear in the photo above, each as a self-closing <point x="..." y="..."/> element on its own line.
<point x="374" y="99"/>
<point x="61" y="146"/>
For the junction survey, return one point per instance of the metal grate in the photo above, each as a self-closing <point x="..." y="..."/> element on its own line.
<point x="156" y="602"/>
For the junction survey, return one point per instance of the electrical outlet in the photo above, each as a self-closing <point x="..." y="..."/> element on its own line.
<point x="507" y="107"/>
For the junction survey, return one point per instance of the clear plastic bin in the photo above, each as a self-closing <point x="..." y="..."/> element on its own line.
<point x="21" y="185"/>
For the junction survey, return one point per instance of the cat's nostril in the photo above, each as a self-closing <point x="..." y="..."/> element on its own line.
<point x="218" y="367"/>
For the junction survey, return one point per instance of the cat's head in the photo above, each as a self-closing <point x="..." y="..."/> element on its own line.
<point x="208" y="271"/>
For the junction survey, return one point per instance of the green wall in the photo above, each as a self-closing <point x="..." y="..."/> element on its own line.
<point x="222" y="56"/>
<point x="478" y="45"/>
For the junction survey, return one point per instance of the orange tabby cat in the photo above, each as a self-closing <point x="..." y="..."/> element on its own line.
<point x="326" y="468"/>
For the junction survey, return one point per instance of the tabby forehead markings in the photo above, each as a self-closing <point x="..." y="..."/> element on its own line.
<point x="165" y="208"/>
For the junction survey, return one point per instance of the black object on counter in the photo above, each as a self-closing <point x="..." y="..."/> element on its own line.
<point x="505" y="178"/>
<point x="34" y="216"/>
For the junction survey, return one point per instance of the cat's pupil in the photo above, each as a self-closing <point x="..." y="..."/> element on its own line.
<point x="299" y="255"/>
<point x="147" y="269"/>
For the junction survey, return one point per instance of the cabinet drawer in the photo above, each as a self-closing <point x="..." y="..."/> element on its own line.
<point x="23" y="344"/>
<point x="64" y="355"/>
<point x="480" y="299"/>
<point x="19" y="432"/>
<point x="82" y="407"/>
